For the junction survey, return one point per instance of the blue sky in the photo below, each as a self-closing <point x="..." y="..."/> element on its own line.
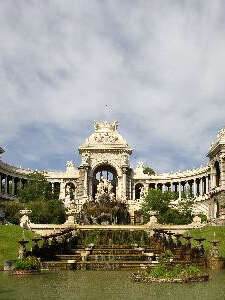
<point x="159" y="65"/>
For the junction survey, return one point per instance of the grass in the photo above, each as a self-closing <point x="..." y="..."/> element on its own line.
<point x="208" y="233"/>
<point x="9" y="237"/>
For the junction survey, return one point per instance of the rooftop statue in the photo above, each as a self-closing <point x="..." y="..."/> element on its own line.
<point x="105" y="126"/>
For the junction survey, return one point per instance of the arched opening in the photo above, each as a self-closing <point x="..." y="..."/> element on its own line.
<point x="151" y="186"/>
<point x="217" y="168"/>
<point x="159" y="186"/>
<point x="104" y="172"/>
<point x="70" y="191"/>
<point x="56" y="189"/>
<point x="216" y="209"/>
<point x="138" y="218"/>
<point x="138" y="188"/>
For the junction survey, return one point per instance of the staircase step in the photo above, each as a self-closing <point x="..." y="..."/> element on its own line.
<point x="93" y="265"/>
<point x="105" y="258"/>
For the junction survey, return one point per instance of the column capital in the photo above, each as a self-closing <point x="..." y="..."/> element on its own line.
<point x="125" y="169"/>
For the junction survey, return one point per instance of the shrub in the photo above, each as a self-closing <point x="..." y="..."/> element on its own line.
<point x="174" y="271"/>
<point x="203" y="217"/>
<point x="11" y="210"/>
<point x="29" y="263"/>
<point x="168" y="213"/>
<point x="165" y="257"/>
<point x="47" y="212"/>
<point x="192" y="270"/>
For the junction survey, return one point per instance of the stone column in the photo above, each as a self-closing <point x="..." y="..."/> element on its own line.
<point x="179" y="189"/>
<point x="207" y="184"/>
<point x="213" y="177"/>
<point x="124" y="170"/>
<point x="130" y="189"/>
<point x="13" y="186"/>
<point x="222" y="170"/>
<point x="194" y="189"/>
<point x="90" y="192"/>
<point x="133" y="196"/>
<point x="131" y="216"/>
<point x="171" y="186"/>
<point x="201" y="186"/>
<point x="86" y="181"/>
<point x="6" y="184"/>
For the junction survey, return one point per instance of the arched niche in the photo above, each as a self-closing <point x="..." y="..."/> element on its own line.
<point x="104" y="171"/>
<point x="138" y="188"/>
<point x="218" y="173"/>
<point x="70" y="190"/>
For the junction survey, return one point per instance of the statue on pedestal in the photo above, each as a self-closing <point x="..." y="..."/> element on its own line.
<point x="69" y="197"/>
<point x="105" y="187"/>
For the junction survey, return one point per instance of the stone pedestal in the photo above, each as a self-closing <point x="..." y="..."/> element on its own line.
<point x="215" y="263"/>
<point x="214" y="259"/>
<point x="24" y="220"/>
<point x="153" y="221"/>
<point x="70" y="217"/>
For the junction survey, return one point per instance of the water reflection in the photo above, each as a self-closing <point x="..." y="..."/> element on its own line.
<point x="99" y="285"/>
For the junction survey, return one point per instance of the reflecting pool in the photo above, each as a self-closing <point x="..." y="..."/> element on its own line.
<point x="103" y="285"/>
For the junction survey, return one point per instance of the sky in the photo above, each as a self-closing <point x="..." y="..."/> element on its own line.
<point x="158" y="65"/>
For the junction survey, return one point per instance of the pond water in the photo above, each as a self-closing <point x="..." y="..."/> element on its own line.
<point x="105" y="285"/>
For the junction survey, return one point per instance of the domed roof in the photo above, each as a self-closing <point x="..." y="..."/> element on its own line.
<point x="105" y="136"/>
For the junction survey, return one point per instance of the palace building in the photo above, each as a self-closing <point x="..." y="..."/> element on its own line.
<point x="105" y="167"/>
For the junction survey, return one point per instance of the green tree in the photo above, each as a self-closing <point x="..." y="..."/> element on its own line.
<point x="37" y="188"/>
<point x="168" y="213"/>
<point x="148" y="170"/>
<point x="11" y="209"/>
<point x="36" y="195"/>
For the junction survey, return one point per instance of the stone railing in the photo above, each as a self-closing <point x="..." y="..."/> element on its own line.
<point x="46" y="229"/>
<point x="57" y="242"/>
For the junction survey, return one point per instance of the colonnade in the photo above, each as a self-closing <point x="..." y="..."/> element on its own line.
<point x="9" y="185"/>
<point x="197" y="187"/>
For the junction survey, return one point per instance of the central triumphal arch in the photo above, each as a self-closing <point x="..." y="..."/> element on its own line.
<point x="105" y="157"/>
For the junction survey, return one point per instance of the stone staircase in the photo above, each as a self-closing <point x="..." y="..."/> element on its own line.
<point x="103" y="258"/>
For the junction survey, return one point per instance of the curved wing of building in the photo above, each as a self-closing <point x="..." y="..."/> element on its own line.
<point x="106" y="166"/>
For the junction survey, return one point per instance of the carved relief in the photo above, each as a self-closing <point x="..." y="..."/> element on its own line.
<point x="106" y="138"/>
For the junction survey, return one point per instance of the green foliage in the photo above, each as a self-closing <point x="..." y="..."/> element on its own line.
<point x="173" y="271"/>
<point x="11" y="209"/>
<point x="28" y="263"/>
<point x="104" y="211"/>
<point x="47" y="212"/>
<point x="9" y="236"/>
<point x="148" y="170"/>
<point x="36" y="195"/>
<point x="37" y="188"/>
<point x="203" y="218"/>
<point x="192" y="270"/>
<point x="113" y="237"/>
<point x="161" y="203"/>
<point x="93" y="237"/>
<point x="165" y="257"/>
<point x="159" y="271"/>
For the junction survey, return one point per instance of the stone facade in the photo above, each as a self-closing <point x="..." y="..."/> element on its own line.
<point x="106" y="155"/>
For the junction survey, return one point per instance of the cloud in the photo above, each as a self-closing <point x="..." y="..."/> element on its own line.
<point x="159" y="65"/>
